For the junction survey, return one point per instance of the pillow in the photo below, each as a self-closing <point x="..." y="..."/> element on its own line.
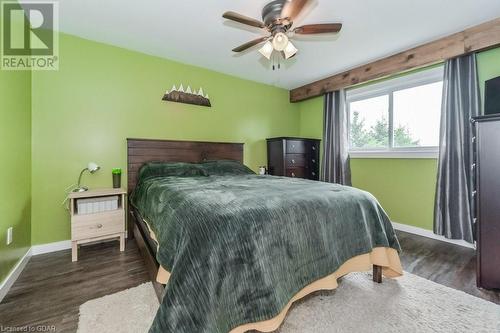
<point x="226" y="168"/>
<point x="166" y="169"/>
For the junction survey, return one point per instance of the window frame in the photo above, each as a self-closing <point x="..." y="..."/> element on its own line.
<point x="424" y="77"/>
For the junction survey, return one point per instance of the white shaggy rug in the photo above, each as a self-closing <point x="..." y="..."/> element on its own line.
<point x="407" y="304"/>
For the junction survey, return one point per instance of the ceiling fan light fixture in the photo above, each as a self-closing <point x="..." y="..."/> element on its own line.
<point x="277" y="22"/>
<point x="280" y="41"/>
<point x="290" y="50"/>
<point x="267" y="50"/>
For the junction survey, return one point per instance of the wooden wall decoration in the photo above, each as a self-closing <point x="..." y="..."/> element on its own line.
<point x="478" y="38"/>
<point x="187" y="97"/>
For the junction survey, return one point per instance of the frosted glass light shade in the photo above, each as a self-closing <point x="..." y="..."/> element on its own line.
<point x="267" y="50"/>
<point x="280" y="41"/>
<point x="290" y="50"/>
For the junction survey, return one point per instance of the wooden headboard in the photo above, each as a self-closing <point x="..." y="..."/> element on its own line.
<point x="141" y="151"/>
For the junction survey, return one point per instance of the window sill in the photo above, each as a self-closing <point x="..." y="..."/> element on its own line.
<point x="420" y="153"/>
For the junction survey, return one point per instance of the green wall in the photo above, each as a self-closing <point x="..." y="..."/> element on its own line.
<point x="404" y="187"/>
<point x="488" y="67"/>
<point x="102" y="95"/>
<point x="311" y="118"/>
<point x="15" y="169"/>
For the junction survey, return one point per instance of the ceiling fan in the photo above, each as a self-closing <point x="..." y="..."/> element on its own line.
<point x="277" y="20"/>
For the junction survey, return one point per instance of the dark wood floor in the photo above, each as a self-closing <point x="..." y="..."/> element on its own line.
<point x="447" y="264"/>
<point x="51" y="288"/>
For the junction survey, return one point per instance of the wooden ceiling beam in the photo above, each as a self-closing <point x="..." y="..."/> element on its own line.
<point x="478" y="38"/>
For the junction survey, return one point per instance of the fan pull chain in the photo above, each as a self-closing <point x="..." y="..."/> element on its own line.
<point x="276" y="61"/>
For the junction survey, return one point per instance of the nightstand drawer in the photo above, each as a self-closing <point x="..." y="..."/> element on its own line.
<point x="97" y="225"/>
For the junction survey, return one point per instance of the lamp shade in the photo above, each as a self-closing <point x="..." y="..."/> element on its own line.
<point x="93" y="167"/>
<point x="267" y="50"/>
<point x="280" y="41"/>
<point x="290" y="50"/>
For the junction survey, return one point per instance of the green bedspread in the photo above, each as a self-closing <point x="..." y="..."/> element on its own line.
<point x="240" y="247"/>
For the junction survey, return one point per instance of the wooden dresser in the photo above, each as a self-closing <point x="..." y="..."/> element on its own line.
<point x="487" y="200"/>
<point x="293" y="157"/>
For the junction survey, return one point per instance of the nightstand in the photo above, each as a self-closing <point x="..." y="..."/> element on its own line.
<point x="97" y="215"/>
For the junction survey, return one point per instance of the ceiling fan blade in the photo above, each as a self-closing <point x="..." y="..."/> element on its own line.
<point x="312" y="29"/>
<point x="292" y="8"/>
<point x="243" y="19"/>
<point x="248" y="45"/>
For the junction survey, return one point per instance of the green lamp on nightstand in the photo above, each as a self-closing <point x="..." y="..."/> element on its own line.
<point x="92" y="168"/>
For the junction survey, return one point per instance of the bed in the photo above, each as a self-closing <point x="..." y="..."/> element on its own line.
<point x="230" y="251"/>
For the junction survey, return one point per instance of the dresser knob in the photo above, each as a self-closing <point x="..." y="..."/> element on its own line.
<point x="293" y="161"/>
<point x="99" y="226"/>
<point x="293" y="175"/>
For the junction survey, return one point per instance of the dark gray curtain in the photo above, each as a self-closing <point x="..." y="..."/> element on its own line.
<point x="335" y="163"/>
<point x="453" y="211"/>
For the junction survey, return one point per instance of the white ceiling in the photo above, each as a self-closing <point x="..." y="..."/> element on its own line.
<point x="193" y="31"/>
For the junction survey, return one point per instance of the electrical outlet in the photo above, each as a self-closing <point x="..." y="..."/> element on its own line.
<point x="9" y="236"/>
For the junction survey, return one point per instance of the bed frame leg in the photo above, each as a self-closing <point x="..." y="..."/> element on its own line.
<point x="377" y="274"/>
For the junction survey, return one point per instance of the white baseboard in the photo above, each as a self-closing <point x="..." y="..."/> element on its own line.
<point x="50" y="247"/>
<point x="7" y="283"/>
<point x="429" y="234"/>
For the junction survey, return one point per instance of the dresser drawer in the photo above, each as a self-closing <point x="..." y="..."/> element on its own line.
<point x="295" y="160"/>
<point x="313" y="174"/>
<point x="296" y="172"/>
<point x="313" y="161"/>
<point x="97" y="225"/>
<point x="313" y="148"/>
<point x="295" y="147"/>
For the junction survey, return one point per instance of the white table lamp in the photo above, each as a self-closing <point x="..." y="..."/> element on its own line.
<point x="92" y="168"/>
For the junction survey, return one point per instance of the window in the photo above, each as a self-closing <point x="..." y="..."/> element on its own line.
<point x="369" y="126"/>
<point x="398" y="117"/>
